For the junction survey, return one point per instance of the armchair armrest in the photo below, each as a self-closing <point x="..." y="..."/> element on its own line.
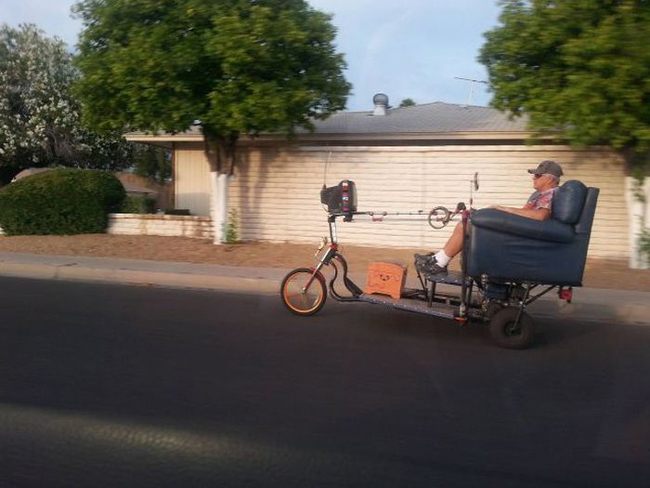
<point x="546" y="230"/>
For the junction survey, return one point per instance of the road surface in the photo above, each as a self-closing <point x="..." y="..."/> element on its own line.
<point x="107" y="385"/>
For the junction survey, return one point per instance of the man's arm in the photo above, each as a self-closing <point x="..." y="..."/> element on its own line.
<point x="529" y="213"/>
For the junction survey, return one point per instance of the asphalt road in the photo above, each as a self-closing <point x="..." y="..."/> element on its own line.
<point x="105" y="385"/>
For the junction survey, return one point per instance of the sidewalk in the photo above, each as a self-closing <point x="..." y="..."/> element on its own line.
<point x="589" y="304"/>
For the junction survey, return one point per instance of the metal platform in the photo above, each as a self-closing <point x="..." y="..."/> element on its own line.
<point x="412" y="305"/>
<point x="449" y="278"/>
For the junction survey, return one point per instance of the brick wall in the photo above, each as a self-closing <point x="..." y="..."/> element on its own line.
<point x="160" y="225"/>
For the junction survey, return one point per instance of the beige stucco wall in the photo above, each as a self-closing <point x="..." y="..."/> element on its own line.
<point x="276" y="190"/>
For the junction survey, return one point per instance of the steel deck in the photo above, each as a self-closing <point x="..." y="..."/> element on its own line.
<point x="449" y="278"/>
<point x="412" y="305"/>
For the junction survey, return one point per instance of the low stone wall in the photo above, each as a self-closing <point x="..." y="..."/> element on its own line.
<point x="160" y="225"/>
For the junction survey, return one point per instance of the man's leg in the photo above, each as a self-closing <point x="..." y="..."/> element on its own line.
<point x="455" y="243"/>
<point x="439" y="262"/>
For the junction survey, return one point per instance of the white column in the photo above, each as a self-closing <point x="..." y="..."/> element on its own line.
<point x="214" y="204"/>
<point x="645" y="259"/>
<point x="221" y="214"/>
<point x="639" y="218"/>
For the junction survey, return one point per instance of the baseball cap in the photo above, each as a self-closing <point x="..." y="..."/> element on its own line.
<point x="547" y="167"/>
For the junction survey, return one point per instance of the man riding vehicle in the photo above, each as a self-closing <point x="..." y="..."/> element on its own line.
<point x="546" y="178"/>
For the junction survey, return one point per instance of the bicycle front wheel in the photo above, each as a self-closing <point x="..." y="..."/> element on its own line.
<point x="302" y="294"/>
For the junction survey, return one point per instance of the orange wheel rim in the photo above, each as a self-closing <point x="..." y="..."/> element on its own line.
<point x="297" y="298"/>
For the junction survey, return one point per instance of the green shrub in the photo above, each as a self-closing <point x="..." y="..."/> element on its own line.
<point x="61" y="201"/>
<point x="644" y="244"/>
<point x="232" y="234"/>
<point x="138" y="205"/>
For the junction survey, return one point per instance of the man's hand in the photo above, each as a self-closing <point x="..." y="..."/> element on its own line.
<point x="529" y="213"/>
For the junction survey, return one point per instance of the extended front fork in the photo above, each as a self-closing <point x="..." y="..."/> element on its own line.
<point x="329" y="259"/>
<point x="323" y="261"/>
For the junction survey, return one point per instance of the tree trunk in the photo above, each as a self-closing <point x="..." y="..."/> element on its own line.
<point x="221" y="157"/>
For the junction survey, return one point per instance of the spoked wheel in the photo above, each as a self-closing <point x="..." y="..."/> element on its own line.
<point x="300" y="298"/>
<point x="506" y="333"/>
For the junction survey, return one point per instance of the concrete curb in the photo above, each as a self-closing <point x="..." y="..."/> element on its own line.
<point x="589" y="304"/>
<point x="139" y="277"/>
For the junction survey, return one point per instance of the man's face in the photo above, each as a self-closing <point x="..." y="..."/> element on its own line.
<point x="541" y="181"/>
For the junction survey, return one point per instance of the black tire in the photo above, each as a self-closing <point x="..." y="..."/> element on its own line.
<point x="493" y="309"/>
<point x="303" y="303"/>
<point x="504" y="332"/>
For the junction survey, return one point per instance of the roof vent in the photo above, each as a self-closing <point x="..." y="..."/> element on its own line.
<point x="381" y="104"/>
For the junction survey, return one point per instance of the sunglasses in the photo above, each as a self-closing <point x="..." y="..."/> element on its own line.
<point x="538" y="176"/>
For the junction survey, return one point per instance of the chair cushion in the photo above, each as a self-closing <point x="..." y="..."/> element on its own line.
<point x="499" y="221"/>
<point x="568" y="202"/>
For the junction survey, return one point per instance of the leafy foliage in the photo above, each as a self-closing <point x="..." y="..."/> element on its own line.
<point x="39" y="120"/>
<point x="62" y="201"/>
<point x="580" y="67"/>
<point x="407" y="102"/>
<point x="234" y="67"/>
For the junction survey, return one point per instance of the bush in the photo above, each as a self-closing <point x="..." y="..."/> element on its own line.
<point x="644" y="244"/>
<point x="138" y="205"/>
<point x="61" y="201"/>
<point x="232" y="235"/>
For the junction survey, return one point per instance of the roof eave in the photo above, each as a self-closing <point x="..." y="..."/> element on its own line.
<point x="315" y="137"/>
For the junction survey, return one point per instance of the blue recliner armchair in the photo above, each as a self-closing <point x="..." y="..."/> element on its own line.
<point x="516" y="249"/>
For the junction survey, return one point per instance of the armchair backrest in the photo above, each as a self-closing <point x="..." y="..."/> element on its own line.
<point x="568" y="202"/>
<point x="589" y="209"/>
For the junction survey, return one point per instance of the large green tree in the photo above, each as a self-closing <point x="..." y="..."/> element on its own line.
<point x="40" y="122"/>
<point x="407" y="102"/>
<point x="232" y="67"/>
<point x="577" y="67"/>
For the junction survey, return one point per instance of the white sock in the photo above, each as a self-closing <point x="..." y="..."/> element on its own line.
<point x="442" y="259"/>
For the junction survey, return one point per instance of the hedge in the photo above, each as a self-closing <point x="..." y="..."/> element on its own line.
<point x="61" y="201"/>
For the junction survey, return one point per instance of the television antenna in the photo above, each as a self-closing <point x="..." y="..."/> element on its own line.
<point x="472" y="86"/>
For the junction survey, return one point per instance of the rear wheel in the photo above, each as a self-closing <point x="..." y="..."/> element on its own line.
<point x="506" y="333"/>
<point x="300" y="298"/>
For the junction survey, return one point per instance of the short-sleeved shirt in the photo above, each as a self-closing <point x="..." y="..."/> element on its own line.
<point x="541" y="199"/>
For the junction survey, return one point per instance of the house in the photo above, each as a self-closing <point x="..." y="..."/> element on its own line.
<point x="402" y="159"/>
